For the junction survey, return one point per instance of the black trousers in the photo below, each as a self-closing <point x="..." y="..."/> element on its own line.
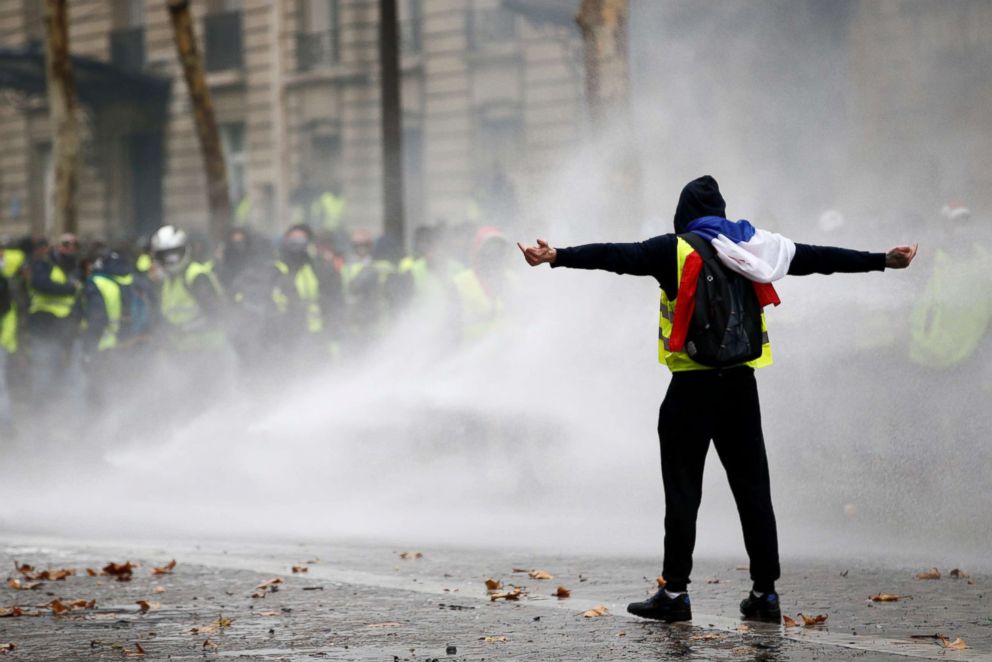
<point x="721" y="405"/>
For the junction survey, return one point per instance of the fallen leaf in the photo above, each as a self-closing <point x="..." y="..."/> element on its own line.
<point x="267" y="613"/>
<point x="743" y="627"/>
<point x="515" y="570"/>
<point x="932" y="573"/>
<point x="888" y="597"/>
<point x="269" y="582"/>
<point x="6" y="648"/>
<point x="493" y="584"/>
<point x="18" y="585"/>
<point x="492" y="639"/>
<point x="82" y="604"/>
<point x="596" y="612"/>
<point x="383" y="625"/>
<point x="165" y="569"/>
<point x="661" y="582"/>
<point x="137" y="652"/>
<point x="158" y="589"/>
<point x="709" y="636"/>
<point x="621" y="634"/>
<point x="23" y="568"/>
<point x="956" y="645"/>
<point x="789" y="622"/>
<point x="712" y="581"/>
<point x="810" y="621"/>
<point x="58" y="607"/>
<point x="209" y="644"/>
<point x="743" y="568"/>
<point x="540" y="574"/>
<point x="258" y="594"/>
<point x="509" y="595"/>
<point x="143" y="606"/>
<point x="91" y="572"/>
<point x="562" y="593"/>
<point x="120" y="571"/>
<point x="411" y="555"/>
<point x="300" y="568"/>
<point x="11" y="612"/>
<point x="221" y="623"/>
<point x="958" y="573"/>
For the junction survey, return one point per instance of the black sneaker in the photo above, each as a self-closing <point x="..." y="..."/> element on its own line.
<point x="663" y="608"/>
<point x="765" y="608"/>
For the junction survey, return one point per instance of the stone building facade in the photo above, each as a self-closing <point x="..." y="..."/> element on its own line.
<point x="491" y="98"/>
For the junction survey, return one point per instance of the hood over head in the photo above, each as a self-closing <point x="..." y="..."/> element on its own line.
<point x="700" y="197"/>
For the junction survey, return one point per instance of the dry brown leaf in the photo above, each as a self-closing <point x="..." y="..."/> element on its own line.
<point x="82" y="604"/>
<point x="712" y="581"/>
<point x="810" y="621"/>
<point x="383" y="625"/>
<point x="58" y="607"/>
<point x="958" y="573"/>
<point x="661" y="582"/>
<point x="209" y="644"/>
<point x="137" y="652"/>
<point x="23" y="568"/>
<point x="270" y="582"/>
<point x="143" y="606"/>
<point x="158" y="589"/>
<point x="6" y="648"/>
<point x="562" y="593"/>
<point x="165" y="569"/>
<point x="493" y="638"/>
<point x="493" y="584"/>
<point x="18" y="585"/>
<point x="742" y="568"/>
<point x="509" y="595"/>
<point x="540" y="574"/>
<point x="515" y="570"/>
<point x="789" y="622"/>
<point x="221" y="623"/>
<point x="596" y="612"/>
<point x="411" y="555"/>
<point x="300" y="568"/>
<point x="887" y="597"/>
<point x="11" y="612"/>
<point x="91" y="572"/>
<point x="932" y="573"/>
<point x="743" y="627"/>
<point x="258" y="594"/>
<point x="120" y="571"/>
<point x="709" y="636"/>
<point x="956" y="645"/>
<point x="267" y="613"/>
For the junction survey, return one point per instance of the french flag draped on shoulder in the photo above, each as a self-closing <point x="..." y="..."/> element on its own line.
<point x="759" y="255"/>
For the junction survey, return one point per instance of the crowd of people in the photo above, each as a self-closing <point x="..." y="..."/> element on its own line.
<point x="79" y="315"/>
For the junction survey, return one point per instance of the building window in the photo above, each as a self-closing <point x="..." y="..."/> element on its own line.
<point x="318" y="44"/>
<point x="127" y="39"/>
<point x="222" y="36"/>
<point x="232" y="142"/>
<point x="322" y="168"/>
<point x="488" y="26"/>
<point x="411" y="22"/>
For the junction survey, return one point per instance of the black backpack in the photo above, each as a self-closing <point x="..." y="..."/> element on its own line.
<point x="725" y="328"/>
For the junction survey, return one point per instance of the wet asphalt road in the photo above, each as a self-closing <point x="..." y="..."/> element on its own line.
<point x="366" y="602"/>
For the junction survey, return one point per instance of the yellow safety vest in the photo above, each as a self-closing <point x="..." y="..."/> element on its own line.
<point x="954" y="311"/>
<point x="13" y="260"/>
<point x="143" y="263"/>
<point x="326" y="211"/>
<point x="417" y="268"/>
<point x="181" y="309"/>
<point x="59" y="305"/>
<point x="680" y="361"/>
<point x="110" y="290"/>
<point x="307" y="288"/>
<point x="480" y="312"/>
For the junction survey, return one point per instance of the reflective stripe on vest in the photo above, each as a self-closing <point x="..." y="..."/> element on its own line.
<point x="680" y="361"/>
<point x="307" y="289"/>
<point x="110" y="290"/>
<point x="59" y="305"/>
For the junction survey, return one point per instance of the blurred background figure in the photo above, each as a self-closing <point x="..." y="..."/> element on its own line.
<point x="364" y="279"/>
<point x="109" y="305"/>
<point x="52" y="323"/>
<point x="483" y="287"/>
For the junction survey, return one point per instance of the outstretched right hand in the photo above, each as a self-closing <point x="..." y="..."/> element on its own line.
<point x="539" y="254"/>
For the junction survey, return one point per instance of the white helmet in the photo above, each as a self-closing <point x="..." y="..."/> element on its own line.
<point x="169" y="248"/>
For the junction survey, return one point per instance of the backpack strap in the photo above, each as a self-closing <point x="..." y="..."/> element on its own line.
<point x="700" y="245"/>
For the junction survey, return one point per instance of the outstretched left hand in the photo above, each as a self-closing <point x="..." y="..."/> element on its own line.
<point x="900" y="256"/>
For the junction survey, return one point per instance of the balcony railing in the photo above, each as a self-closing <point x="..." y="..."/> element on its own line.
<point x="315" y="50"/>
<point x="223" y="43"/>
<point x="127" y="48"/>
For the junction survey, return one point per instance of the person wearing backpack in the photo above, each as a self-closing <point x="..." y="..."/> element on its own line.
<point x="715" y="277"/>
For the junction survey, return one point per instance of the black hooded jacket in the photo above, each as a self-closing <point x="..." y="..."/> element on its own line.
<point x="658" y="256"/>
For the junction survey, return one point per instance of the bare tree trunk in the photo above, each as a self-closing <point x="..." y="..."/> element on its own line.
<point x="604" y="31"/>
<point x="203" y="114"/>
<point x="392" y="122"/>
<point x="62" y="114"/>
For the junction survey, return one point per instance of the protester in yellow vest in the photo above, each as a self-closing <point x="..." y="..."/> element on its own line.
<point x="364" y="279"/>
<point x="704" y="403"/>
<point x="192" y="297"/>
<point x="53" y="286"/>
<point x="482" y="286"/>
<point x="12" y="263"/>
